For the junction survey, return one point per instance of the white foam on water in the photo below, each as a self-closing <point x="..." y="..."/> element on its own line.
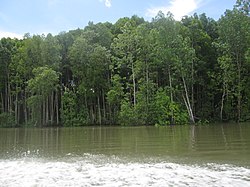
<point x="94" y="170"/>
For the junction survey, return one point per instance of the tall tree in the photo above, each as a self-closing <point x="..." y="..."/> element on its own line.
<point x="183" y="56"/>
<point x="126" y="51"/>
<point x="42" y="87"/>
<point x="232" y="31"/>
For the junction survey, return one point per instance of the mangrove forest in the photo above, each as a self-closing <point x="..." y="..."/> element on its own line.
<point x="132" y="72"/>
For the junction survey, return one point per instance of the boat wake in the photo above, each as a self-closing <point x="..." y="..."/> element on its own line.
<point x="96" y="170"/>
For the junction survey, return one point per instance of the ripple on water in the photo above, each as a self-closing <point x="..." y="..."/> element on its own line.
<point x="93" y="170"/>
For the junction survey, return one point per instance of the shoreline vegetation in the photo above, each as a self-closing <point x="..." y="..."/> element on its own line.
<point x="162" y="72"/>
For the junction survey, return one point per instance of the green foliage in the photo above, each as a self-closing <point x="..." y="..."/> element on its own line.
<point x="233" y="35"/>
<point x="162" y="108"/>
<point x="243" y="5"/>
<point x="166" y="112"/>
<point x="133" y="72"/>
<point x="50" y="52"/>
<point x="115" y="95"/>
<point x="69" y="113"/>
<point x="44" y="82"/>
<point x="41" y="87"/>
<point x="127" y="114"/>
<point x="7" y="120"/>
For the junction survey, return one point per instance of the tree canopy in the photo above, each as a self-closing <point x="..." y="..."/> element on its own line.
<point x="132" y="72"/>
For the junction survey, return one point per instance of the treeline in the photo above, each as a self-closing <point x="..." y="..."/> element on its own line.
<point x="133" y="72"/>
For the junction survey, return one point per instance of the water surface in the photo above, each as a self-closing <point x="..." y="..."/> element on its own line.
<point x="216" y="155"/>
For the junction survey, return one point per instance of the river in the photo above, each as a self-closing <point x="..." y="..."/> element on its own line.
<point x="214" y="155"/>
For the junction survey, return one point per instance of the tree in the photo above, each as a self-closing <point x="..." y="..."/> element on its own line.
<point x="168" y="31"/>
<point x="243" y="5"/>
<point x="8" y="86"/>
<point x="125" y="48"/>
<point x="202" y="32"/>
<point x="183" y="56"/>
<point x="7" y="50"/>
<point x="90" y="65"/>
<point x="115" y="96"/>
<point x="99" y="66"/>
<point x="165" y="110"/>
<point x="133" y="72"/>
<point x="41" y="102"/>
<point x="100" y="33"/>
<point x="50" y="52"/>
<point x="232" y="31"/>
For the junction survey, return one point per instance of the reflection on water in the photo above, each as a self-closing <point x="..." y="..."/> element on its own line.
<point x="117" y="156"/>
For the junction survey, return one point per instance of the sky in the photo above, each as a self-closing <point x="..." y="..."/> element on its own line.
<point x="18" y="17"/>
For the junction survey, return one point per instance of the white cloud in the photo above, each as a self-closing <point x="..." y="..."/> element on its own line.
<point x="178" y="8"/>
<point x="4" y="34"/>
<point x="107" y="3"/>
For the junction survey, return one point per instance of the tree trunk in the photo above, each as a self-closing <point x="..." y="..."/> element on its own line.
<point x="104" y="104"/>
<point x="44" y="111"/>
<point x="57" y="108"/>
<point x="6" y="98"/>
<point x="92" y="114"/>
<point x="147" y="97"/>
<point x="239" y="88"/>
<point x="239" y="97"/>
<point x="134" y="86"/>
<point x="192" y="79"/>
<point x="187" y="102"/>
<point x="52" y="108"/>
<point x="171" y="95"/>
<point x="192" y="87"/>
<point x="25" y="109"/>
<point x="2" y="103"/>
<point x="222" y="102"/>
<point x="16" y="108"/>
<point x="85" y="98"/>
<point x="47" y="110"/>
<point x="99" y="111"/>
<point x="111" y="114"/>
<point x="9" y="98"/>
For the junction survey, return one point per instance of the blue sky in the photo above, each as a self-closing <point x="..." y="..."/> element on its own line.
<point x="18" y="17"/>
